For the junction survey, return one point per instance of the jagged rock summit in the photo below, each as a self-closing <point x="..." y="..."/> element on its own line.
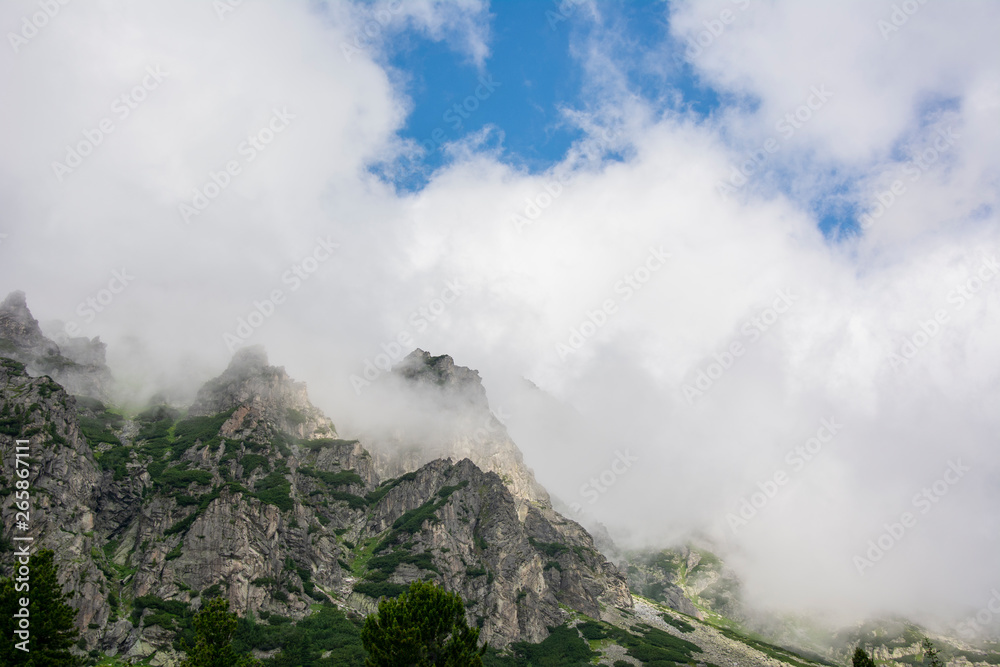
<point x="79" y="366"/>
<point x="471" y="429"/>
<point x="18" y="327"/>
<point x="261" y="393"/>
<point x="252" y="495"/>
<point x="461" y="385"/>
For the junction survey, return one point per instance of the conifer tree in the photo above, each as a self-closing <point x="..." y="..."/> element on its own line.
<point x="214" y="626"/>
<point x="931" y="658"/>
<point x="50" y="621"/>
<point x="423" y="627"/>
<point x="861" y="658"/>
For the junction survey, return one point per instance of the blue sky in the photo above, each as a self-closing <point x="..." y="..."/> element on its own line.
<point x="536" y="71"/>
<point x="929" y="91"/>
<point x="535" y="63"/>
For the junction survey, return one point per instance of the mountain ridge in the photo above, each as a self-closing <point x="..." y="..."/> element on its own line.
<point x="252" y="494"/>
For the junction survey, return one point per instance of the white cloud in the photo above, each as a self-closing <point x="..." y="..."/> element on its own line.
<point x="527" y="289"/>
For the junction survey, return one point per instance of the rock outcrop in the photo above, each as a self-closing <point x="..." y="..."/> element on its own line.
<point x="66" y="487"/>
<point x="79" y="366"/>
<point x="470" y="429"/>
<point x="253" y="496"/>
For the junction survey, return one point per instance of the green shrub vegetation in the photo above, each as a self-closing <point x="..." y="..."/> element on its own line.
<point x="774" y="651"/>
<point x="251" y="462"/>
<point x="295" y="416"/>
<point x="182" y="525"/>
<point x="385" y="487"/>
<point x="550" y="549"/>
<point x="353" y="501"/>
<point x="328" y="631"/>
<point x="203" y="502"/>
<point x="115" y="459"/>
<point x="214" y="626"/>
<point x="99" y="429"/>
<point x="275" y="490"/>
<point x="97" y="424"/>
<point x="649" y="645"/>
<point x="424" y="626"/>
<point x="321" y="443"/>
<point x="171" y="615"/>
<point x="342" y="478"/>
<point x="381" y="568"/>
<point x="379" y="589"/>
<point x="678" y="623"/>
<point x="192" y="430"/>
<point x="175" y="479"/>
<point x="156" y="425"/>
<point x="13" y="421"/>
<point x="52" y="630"/>
<point x="212" y="591"/>
<point x="562" y="648"/>
<point x="411" y="522"/>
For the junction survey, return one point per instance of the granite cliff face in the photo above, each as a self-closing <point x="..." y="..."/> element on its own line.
<point x="66" y="486"/>
<point x="78" y="366"/>
<point x="472" y="430"/>
<point x="252" y="495"/>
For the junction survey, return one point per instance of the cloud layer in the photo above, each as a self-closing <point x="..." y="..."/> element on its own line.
<point x="707" y="332"/>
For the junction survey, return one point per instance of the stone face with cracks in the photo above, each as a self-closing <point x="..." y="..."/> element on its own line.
<point x="78" y="364"/>
<point x="274" y="506"/>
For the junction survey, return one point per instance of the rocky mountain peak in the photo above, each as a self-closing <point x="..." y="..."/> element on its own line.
<point x="459" y="384"/>
<point x="78" y="365"/>
<point x="261" y="394"/>
<point x="19" y="327"/>
<point x="248" y="361"/>
<point x="467" y="428"/>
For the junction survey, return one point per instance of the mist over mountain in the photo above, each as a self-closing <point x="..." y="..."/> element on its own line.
<point x="713" y="276"/>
